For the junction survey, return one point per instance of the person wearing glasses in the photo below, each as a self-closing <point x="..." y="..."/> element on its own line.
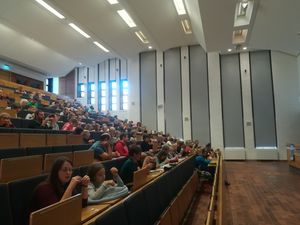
<point x="60" y="185"/>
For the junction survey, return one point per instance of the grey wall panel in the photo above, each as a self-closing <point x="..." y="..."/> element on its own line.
<point x="232" y="101"/>
<point x="173" y="99"/>
<point x="199" y="94"/>
<point x="148" y="89"/>
<point x="262" y="99"/>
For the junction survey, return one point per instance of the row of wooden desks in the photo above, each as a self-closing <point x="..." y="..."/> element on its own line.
<point x="89" y="213"/>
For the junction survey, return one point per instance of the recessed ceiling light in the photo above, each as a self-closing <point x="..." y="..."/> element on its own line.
<point x="245" y="48"/>
<point x="79" y="30"/>
<point x="126" y="17"/>
<point x="150" y="47"/>
<point x="112" y="2"/>
<point x="179" y="5"/>
<point x="49" y="8"/>
<point x="80" y="63"/>
<point x="142" y="37"/>
<point x="229" y="50"/>
<point x="101" y="46"/>
<point x="186" y="26"/>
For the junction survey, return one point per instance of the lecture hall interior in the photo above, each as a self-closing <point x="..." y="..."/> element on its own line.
<point x="190" y="108"/>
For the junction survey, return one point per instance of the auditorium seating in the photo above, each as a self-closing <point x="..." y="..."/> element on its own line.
<point x="20" y="194"/>
<point x="50" y="158"/>
<point x="5" y="212"/>
<point x="83" y="158"/>
<point x="20" y="167"/>
<point x="67" y="212"/>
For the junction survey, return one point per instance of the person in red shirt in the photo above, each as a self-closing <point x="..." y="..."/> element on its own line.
<point x="121" y="146"/>
<point x="71" y="125"/>
<point x="59" y="186"/>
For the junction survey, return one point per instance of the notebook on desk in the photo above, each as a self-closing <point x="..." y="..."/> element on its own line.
<point x="139" y="178"/>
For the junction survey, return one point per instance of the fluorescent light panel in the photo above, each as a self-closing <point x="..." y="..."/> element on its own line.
<point x="79" y="30"/>
<point x="49" y="8"/>
<point x="179" y="5"/>
<point x="126" y="17"/>
<point x="186" y="26"/>
<point x="112" y="2"/>
<point x="101" y="46"/>
<point x="142" y="37"/>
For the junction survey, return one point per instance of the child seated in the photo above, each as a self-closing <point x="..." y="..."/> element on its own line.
<point x="101" y="190"/>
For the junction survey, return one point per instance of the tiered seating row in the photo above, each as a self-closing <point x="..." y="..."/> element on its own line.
<point x="25" y="140"/>
<point x="215" y="199"/>
<point x="172" y="191"/>
<point x="29" y="166"/>
<point x="16" y="195"/>
<point x="19" y="152"/>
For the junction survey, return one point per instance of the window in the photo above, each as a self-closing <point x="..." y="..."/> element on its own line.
<point x="80" y="90"/>
<point x="113" y="96"/>
<point x="49" y="84"/>
<point x="91" y="93"/>
<point x="124" y="95"/>
<point x="102" y="96"/>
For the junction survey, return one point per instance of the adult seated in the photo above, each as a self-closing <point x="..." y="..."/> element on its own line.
<point x="102" y="149"/>
<point x="132" y="164"/>
<point x="5" y="121"/>
<point x="60" y="185"/>
<point x="39" y="121"/>
<point x="71" y="125"/>
<point x="101" y="190"/>
<point x="121" y="146"/>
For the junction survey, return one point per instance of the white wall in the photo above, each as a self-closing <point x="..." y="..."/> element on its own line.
<point x="286" y="74"/>
<point x="186" y="102"/>
<point x="287" y="104"/>
<point x="134" y="89"/>
<point x="160" y="92"/>
<point x="215" y="104"/>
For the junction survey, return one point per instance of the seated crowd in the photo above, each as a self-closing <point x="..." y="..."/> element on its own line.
<point x="119" y="138"/>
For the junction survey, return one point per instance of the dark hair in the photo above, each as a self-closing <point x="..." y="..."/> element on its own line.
<point x="165" y="148"/>
<point x="93" y="169"/>
<point x="123" y="135"/>
<point x="134" y="149"/>
<point x="53" y="178"/>
<point x="78" y="130"/>
<point x="162" y="155"/>
<point x="104" y="137"/>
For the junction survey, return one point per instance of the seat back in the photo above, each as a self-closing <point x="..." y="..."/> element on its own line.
<point x="50" y="158"/>
<point x="115" y="215"/>
<point x="73" y="139"/>
<point x="20" y="167"/>
<point x="21" y="194"/>
<point x="32" y="140"/>
<point x="136" y="212"/>
<point x="56" y="139"/>
<point x="9" y="140"/>
<point x="67" y="212"/>
<point x="140" y="178"/>
<point x="83" y="158"/>
<point x="5" y="213"/>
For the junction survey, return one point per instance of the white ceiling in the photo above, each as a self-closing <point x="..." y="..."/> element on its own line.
<point x="31" y="35"/>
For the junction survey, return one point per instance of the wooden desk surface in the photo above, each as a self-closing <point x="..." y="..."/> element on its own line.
<point x="93" y="210"/>
<point x="154" y="174"/>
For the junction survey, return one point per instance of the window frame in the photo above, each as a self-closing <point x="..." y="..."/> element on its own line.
<point x="122" y="95"/>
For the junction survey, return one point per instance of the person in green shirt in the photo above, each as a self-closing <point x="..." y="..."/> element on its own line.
<point x="132" y="164"/>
